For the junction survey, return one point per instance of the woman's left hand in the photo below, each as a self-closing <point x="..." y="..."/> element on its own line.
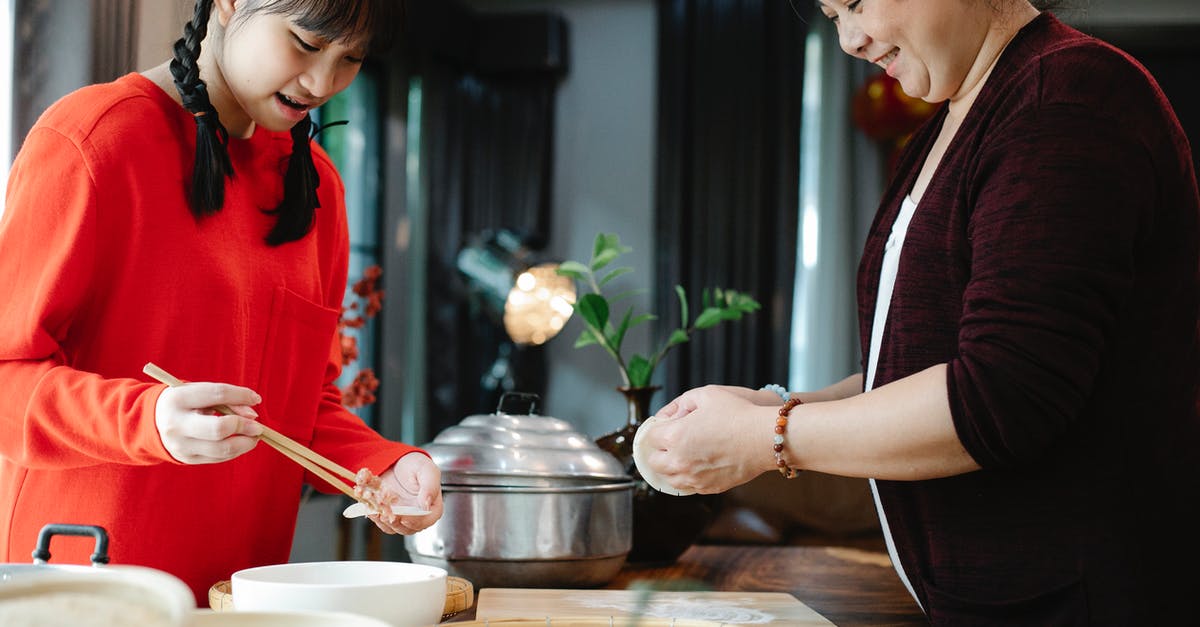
<point x="418" y="483"/>
<point x="711" y="439"/>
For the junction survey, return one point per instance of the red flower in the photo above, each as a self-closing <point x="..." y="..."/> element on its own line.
<point x="369" y="301"/>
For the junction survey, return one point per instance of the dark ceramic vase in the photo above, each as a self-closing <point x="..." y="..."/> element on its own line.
<point x="664" y="526"/>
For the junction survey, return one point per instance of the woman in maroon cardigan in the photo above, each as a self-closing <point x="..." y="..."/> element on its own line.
<point x="1028" y="306"/>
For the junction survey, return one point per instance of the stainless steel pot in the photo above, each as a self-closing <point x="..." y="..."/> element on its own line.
<point x="87" y="596"/>
<point x="528" y="503"/>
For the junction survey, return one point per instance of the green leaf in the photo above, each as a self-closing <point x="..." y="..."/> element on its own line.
<point x="639" y="370"/>
<point x="604" y="241"/>
<point x="594" y="310"/>
<point x="642" y="318"/>
<point x="705" y="300"/>
<point x="573" y="269"/>
<point x="618" y="335"/>
<point x="586" y="338"/>
<point x="683" y="308"/>
<point x="604" y="258"/>
<point x="731" y="314"/>
<point x="710" y="317"/>
<point x="626" y="294"/>
<point x="614" y="274"/>
<point x="679" y="336"/>
<point x="747" y="304"/>
<point x="607" y="247"/>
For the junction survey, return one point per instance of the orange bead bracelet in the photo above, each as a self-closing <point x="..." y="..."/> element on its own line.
<point x="780" y="430"/>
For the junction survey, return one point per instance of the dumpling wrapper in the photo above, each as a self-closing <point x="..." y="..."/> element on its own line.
<point x="641" y="455"/>
<point x="358" y="510"/>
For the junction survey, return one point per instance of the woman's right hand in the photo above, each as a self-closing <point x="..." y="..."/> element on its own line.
<point x="193" y="433"/>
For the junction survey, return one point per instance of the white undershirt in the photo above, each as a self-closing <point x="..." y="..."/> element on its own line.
<point x="887" y="282"/>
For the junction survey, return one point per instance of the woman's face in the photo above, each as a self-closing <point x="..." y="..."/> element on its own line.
<point x="929" y="46"/>
<point x="277" y="71"/>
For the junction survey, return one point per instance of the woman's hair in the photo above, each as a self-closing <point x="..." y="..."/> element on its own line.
<point x="334" y="20"/>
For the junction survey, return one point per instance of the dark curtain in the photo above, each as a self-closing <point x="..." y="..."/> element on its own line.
<point x="487" y="146"/>
<point x="728" y="169"/>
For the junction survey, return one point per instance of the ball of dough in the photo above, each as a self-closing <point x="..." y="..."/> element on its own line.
<point x="641" y="455"/>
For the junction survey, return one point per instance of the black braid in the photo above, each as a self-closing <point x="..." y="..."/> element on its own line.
<point x="300" y="202"/>
<point x="212" y="166"/>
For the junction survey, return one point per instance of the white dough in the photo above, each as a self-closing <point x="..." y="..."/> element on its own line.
<point x="640" y="457"/>
<point x="358" y="509"/>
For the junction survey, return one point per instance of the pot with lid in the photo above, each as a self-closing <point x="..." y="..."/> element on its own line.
<point x="90" y="596"/>
<point x="528" y="502"/>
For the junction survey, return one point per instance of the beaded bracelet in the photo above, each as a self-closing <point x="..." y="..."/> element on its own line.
<point x="780" y="429"/>
<point x="778" y="389"/>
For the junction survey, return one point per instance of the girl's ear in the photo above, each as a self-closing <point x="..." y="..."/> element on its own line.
<point x="224" y="11"/>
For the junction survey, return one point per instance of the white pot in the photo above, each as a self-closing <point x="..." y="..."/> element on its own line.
<point x="93" y="596"/>
<point x="33" y="595"/>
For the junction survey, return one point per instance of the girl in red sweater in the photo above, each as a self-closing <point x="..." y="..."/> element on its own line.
<point x="182" y="216"/>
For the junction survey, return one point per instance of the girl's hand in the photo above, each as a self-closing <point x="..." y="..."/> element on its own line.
<point x="418" y="483"/>
<point x="713" y="438"/>
<point x="195" y="434"/>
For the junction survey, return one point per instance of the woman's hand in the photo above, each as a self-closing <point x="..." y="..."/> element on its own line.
<point x="713" y="438"/>
<point x="757" y="397"/>
<point x="195" y="434"/>
<point x="418" y="483"/>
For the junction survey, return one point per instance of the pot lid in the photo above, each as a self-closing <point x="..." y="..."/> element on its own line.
<point x="513" y="449"/>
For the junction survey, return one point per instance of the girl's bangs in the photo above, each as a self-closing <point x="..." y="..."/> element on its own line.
<point x="374" y="21"/>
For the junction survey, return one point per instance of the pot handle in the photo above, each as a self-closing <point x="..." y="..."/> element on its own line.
<point x="41" y="554"/>
<point x="509" y="398"/>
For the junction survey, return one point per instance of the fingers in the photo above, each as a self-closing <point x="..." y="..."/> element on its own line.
<point x="429" y="478"/>
<point x="417" y="480"/>
<point x="205" y="395"/>
<point x="194" y="434"/>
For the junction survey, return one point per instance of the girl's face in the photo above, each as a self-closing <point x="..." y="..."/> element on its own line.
<point x="929" y="46"/>
<point x="275" y="70"/>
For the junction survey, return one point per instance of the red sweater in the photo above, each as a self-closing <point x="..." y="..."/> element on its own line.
<point x="1053" y="264"/>
<point x="104" y="269"/>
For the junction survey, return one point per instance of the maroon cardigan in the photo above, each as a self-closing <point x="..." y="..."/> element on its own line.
<point x="1053" y="265"/>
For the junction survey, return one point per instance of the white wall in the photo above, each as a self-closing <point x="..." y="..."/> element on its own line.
<point x="160" y="23"/>
<point x="604" y="171"/>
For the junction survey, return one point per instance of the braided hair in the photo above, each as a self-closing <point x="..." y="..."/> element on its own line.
<point x="206" y="195"/>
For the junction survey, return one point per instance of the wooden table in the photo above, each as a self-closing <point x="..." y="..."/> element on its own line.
<point x="847" y="586"/>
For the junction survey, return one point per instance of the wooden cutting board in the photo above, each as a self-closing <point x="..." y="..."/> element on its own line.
<point x="728" y="608"/>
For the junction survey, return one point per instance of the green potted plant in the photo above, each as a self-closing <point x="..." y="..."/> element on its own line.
<point x="663" y="526"/>
<point x="595" y="309"/>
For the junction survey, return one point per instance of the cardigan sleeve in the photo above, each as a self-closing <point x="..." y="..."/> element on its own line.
<point x="52" y="415"/>
<point x="1059" y="196"/>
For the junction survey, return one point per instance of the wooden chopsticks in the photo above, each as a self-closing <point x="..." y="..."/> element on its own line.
<point x="315" y="462"/>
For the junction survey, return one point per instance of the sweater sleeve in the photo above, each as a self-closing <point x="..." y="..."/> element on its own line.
<point x="52" y="415"/>
<point x="338" y="433"/>
<point x="1058" y="198"/>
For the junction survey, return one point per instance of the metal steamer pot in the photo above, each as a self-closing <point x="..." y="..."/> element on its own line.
<point x="96" y="595"/>
<point x="528" y="503"/>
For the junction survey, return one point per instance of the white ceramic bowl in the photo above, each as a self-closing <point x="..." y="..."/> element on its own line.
<point x="209" y="618"/>
<point x="399" y="593"/>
